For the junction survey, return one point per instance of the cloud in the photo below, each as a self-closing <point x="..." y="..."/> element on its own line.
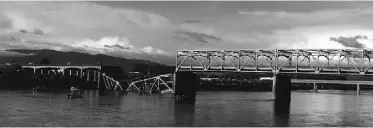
<point x="317" y="37"/>
<point x="131" y="32"/>
<point x="193" y="21"/>
<point x="152" y="50"/>
<point x="36" y="31"/>
<point x="315" y="29"/>
<point x="78" y="25"/>
<point x="99" y="28"/>
<point x="201" y="37"/>
<point x="19" y="43"/>
<point x="310" y="16"/>
<point x="271" y="20"/>
<point x="80" y="18"/>
<point x="350" y="41"/>
<point x="106" y="45"/>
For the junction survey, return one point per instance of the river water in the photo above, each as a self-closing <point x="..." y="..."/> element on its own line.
<point x="218" y="108"/>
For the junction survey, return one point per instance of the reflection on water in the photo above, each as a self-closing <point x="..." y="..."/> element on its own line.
<point x="184" y="115"/>
<point x="281" y="112"/>
<point x="328" y="108"/>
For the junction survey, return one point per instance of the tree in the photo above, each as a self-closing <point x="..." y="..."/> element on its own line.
<point x="45" y="61"/>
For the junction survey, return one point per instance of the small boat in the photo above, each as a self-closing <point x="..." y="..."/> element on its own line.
<point x="37" y="89"/>
<point x="167" y="91"/>
<point x="75" y="93"/>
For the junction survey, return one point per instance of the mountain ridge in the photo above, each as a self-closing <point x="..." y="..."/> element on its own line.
<point x="59" y="57"/>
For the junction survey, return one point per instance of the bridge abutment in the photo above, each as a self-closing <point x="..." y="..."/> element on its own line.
<point x="185" y="87"/>
<point x="281" y="88"/>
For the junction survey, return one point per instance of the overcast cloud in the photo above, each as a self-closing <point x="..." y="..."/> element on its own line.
<point x="160" y="28"/>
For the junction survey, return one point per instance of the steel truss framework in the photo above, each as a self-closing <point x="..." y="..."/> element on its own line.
<point x="111" y="83"/>
<point x="317" y="61"/>
<point x="151" y="84"/>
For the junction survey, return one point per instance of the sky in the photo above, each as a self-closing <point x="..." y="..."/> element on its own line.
<point x="156" y="30"/>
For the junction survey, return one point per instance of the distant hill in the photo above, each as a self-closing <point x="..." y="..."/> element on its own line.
<point x="57" y="57"/>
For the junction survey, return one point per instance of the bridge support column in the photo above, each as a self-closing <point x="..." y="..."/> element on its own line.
<point x="87" y="75"/>
<point x="315" y="89"/>
<point x="98" y="80"/>
<point x="358" y="89"/>
<point x="70" y="72"/>
<point x="281" y="114"/>
<point x="81" y="73"/>
<point x="185" y="87"/>
<point x="281" y="88"/>
<point x="34" y="70"/>
<point x="94" y="75"/>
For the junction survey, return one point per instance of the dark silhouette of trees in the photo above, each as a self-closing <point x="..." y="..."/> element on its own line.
<point x="153" y="69"/>
<point x="45" y="61"/>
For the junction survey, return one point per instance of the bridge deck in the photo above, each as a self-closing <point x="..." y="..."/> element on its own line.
<point x="331" y="81"/>
<point x="62" y="66"/>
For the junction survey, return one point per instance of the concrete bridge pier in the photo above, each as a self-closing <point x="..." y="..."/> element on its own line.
<point x="281" y="114"/>
<point x="282" y="95"/>
<point x="281" y="88"/>
<point x="98" y="80"/>
<point x="358" y="89"/>
<point x="81" y="73"/>
<point x="185" y="87"/>
<point x="94" y="76"/>
<point x="87" y="75"/>
<point x="315" y="89"/>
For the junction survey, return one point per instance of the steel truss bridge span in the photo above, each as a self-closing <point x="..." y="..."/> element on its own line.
<point x="88" y="71"/>
<point x="312" y="61"/>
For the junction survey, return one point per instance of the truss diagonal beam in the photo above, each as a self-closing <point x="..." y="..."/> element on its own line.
<point x="158" y="83"/>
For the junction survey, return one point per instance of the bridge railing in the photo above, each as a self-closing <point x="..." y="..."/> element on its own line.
<point x="327" y="61"/>
<point x="61" y="66"/>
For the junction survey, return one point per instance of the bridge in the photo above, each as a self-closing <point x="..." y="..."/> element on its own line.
<point x="90" y="72"/>
<point x="306" y="61"/>
<point x="280" y="62"/>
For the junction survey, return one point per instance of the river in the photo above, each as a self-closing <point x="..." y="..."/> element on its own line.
<point x="215" y="108"/>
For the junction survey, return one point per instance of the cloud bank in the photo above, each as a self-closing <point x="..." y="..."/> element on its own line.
<point x="148" y="31"/>
<point x="85" y="25"/>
